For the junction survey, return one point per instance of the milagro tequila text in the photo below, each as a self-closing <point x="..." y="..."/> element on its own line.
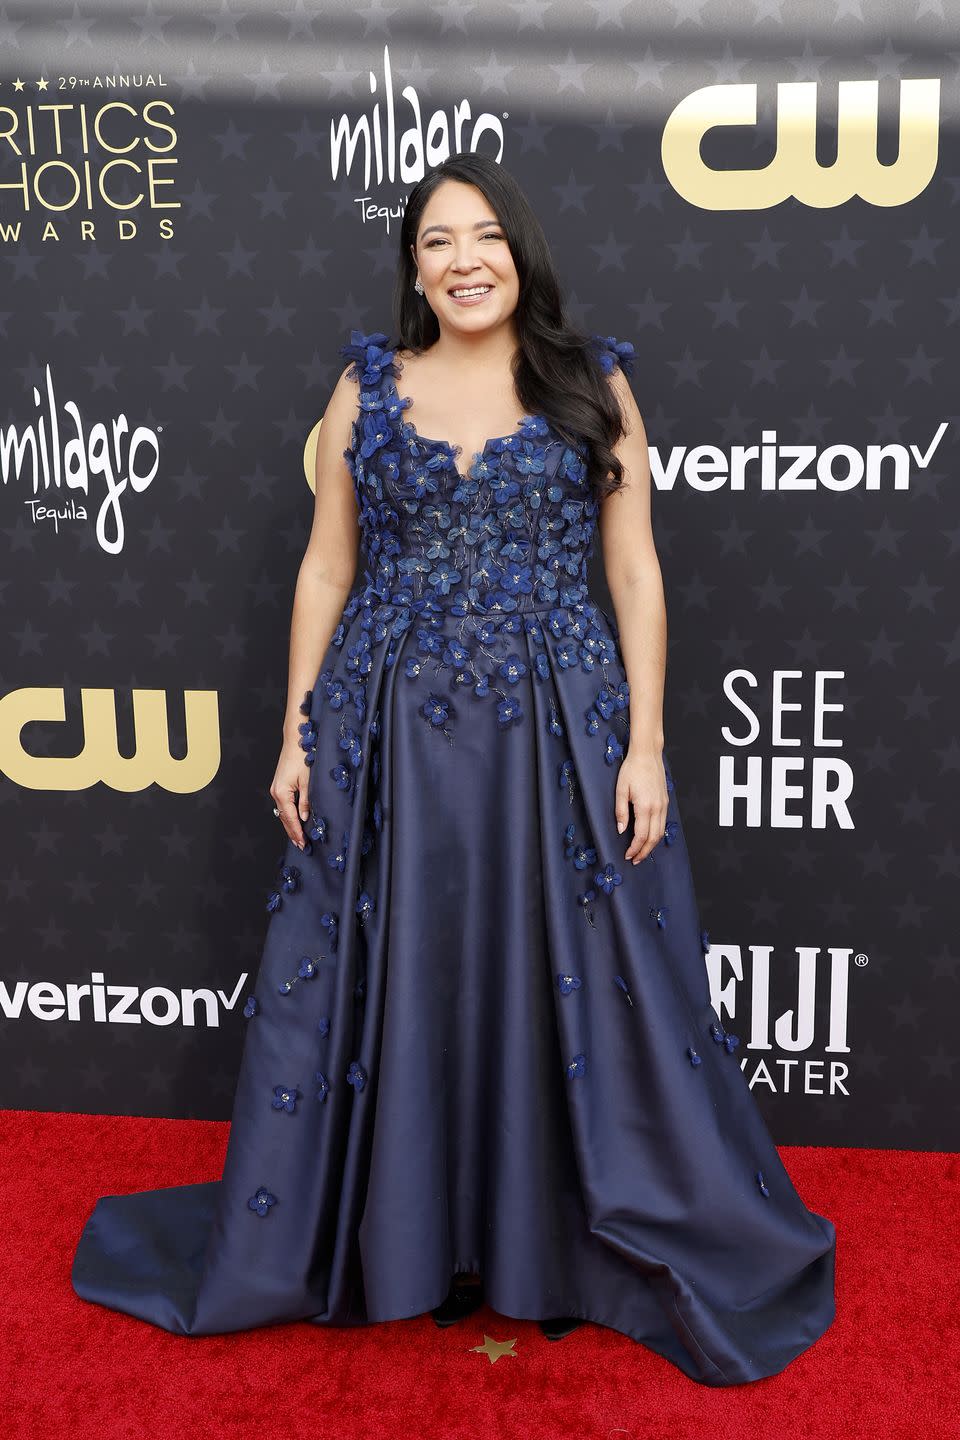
<point x="62" y="456"/>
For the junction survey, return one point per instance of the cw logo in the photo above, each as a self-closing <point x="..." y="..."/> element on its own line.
<point x="794" y="169"/>
<point x="100" y="758"/>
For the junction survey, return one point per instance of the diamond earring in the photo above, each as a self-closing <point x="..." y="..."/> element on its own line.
<point x="417" y="286"/>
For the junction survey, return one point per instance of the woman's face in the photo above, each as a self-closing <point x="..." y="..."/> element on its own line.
<point x="460" y="245"/>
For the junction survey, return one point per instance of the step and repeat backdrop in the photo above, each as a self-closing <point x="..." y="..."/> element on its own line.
<point x="197" y="204"/>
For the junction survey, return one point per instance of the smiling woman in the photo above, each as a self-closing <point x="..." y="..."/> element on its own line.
<point x="481" y="1046"/>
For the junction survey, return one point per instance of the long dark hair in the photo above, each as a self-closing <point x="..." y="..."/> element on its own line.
<point x="555" y="371"/>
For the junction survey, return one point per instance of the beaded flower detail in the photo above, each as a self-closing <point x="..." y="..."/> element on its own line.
<point x="261" y="1201"/>
<point x="285" y="1097"/>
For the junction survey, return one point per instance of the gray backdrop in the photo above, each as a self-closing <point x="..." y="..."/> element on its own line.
<point x="762" y="201"/>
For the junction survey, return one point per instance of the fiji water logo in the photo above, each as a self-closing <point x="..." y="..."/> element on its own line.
<point x="792" y="1014"/>
<point x="117" y="1004"/>
<point x="394" y="140"/>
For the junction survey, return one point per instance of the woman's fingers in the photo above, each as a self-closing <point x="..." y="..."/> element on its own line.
<point x="649" y="826"/>
<point x="291" y="801"/>
<point x="621" y="807"/>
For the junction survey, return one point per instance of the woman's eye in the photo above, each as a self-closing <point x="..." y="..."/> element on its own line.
<point x="488" y="235"/>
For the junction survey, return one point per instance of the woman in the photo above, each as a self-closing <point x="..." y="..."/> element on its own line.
<point x="481" y="1042"/>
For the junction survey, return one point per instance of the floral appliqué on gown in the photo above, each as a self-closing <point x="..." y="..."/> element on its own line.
<point x="479" y="1039"/>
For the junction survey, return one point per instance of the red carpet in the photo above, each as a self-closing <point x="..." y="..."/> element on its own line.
<point x="887" y="1366"/>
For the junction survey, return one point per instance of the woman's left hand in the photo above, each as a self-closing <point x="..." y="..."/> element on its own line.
<point x="642" y="783"/>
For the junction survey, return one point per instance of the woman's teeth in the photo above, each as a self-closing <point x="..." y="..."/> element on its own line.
<point x="466" y="294"/>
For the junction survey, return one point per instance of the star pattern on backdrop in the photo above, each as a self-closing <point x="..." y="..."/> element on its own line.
<point x="829" y="326"/>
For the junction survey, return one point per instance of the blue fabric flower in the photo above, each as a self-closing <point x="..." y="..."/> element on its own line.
<point x="323" y="1025"/>
<point x="509" y="712"/>
<point x="723" y="1037"/>
<point x="612" y="352"/>
<point x="436" y="709"/>
<point x="289" y="879"/>
<point x="513" y="669"/>
<point x="341" y="777"/>
<point x="567" y="983"/>
<point x="252" y="1006"/>
<point x="349" y="740"/>
<point x="613" y="750"/>
<point x="261" y="1201"/>
<point x="577" y="1065"/>
<point x="285" y="1097"/>
<point x="330" y="922"/>
<point x="356" y="1075"/>
<point x="337" y="694"/>
<point x="619" y="980"/>
<point x="583" y="856"/>
<point x="323" y="1085"/>
<point x="608" y="879"/>
<point x="288" y="884"/>
<point x="308" y="741"/>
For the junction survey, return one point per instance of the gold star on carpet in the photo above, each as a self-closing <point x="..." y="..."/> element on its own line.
<point x="493" y="1349"/>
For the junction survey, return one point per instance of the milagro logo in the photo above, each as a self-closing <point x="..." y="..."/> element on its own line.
<point x="117" y="1004"/>
<point x="789" y="467"/>
<point x="423" y="143"/>
<point x="59" y="453"/>
<point x="791" y="1051"/>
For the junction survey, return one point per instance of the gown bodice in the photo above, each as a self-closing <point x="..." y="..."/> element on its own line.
<point x="512" y="533"/>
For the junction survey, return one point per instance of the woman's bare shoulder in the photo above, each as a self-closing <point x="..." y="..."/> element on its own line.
<point x="410" y="358"/>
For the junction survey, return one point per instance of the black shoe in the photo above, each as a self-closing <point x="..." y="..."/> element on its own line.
<point x="556" y="1329"/>
<point x="464" y="1297"/>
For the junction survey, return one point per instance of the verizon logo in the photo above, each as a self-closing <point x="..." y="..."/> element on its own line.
<point x="117" y="1004"/>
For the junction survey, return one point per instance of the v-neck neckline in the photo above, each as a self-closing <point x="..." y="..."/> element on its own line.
<point x="452" y="450"/>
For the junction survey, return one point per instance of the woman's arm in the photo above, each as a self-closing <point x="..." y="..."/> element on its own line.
<point x="329" y="563"/>
<point x="326" y="577"/>
<point x="636" y="588"/>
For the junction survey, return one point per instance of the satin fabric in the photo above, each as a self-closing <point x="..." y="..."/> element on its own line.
<point x="492" y="1061"/>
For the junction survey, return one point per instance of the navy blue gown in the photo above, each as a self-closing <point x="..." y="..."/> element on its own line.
<point x="479" y="1039"/>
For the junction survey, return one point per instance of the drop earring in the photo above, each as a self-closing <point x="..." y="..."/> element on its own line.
<point x="417" y="286"/>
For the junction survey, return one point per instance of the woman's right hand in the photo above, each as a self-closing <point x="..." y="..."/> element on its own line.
<point x="289" y="790"/>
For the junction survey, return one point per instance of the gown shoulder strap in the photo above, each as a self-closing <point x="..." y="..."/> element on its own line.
<point x="371" y="357"/>
<point x="612" y="352"/>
